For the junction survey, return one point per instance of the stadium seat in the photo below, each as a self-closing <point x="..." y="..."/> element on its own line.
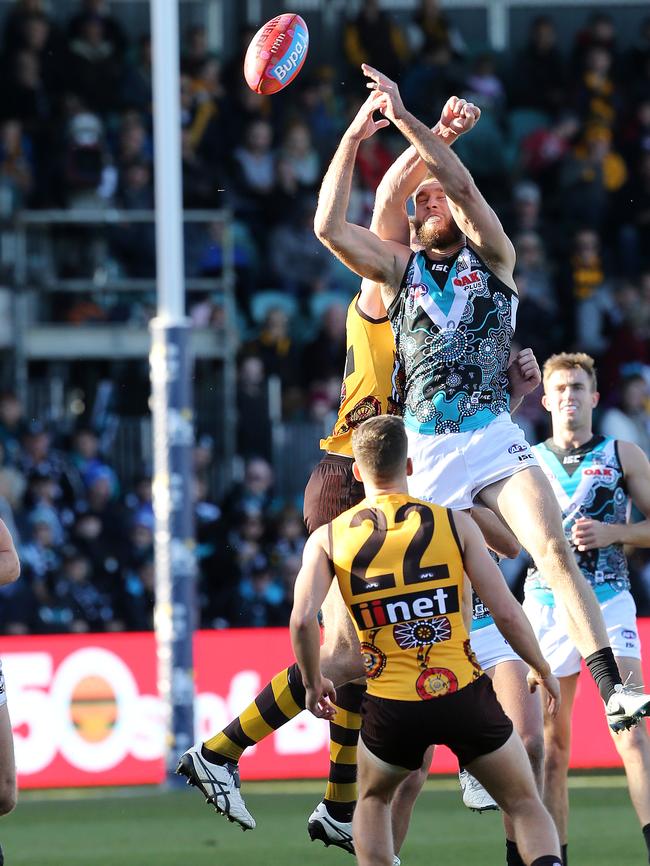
<point x="523" y="121"/>
<point x="262" y="302"/>
<point x="323" y="300"/>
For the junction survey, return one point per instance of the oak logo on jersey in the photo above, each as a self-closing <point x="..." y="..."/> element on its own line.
<point x="402" y="608"/>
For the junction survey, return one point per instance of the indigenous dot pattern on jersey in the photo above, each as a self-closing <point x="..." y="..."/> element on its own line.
<point x="276" y="53"/>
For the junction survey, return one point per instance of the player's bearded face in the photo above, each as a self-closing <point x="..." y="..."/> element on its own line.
<point x="438" y="231"/>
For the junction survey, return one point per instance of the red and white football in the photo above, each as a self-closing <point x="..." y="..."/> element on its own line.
<point x="276" y="53"/>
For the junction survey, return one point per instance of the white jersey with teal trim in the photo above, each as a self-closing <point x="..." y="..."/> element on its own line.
<point x="588" y="482"/>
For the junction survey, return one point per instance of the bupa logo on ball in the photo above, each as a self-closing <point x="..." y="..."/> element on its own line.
<point x="292" y="60"/>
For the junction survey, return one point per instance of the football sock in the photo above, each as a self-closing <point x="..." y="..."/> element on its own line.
<point x="277" y="703"/>
<point x="547" y="860"/>
<point x="565" y="853"/>
<point x="513" y="857"/>
<point x="646" y="836"/>
<point x="341" y="792"/>
<point x="603" y="668"/>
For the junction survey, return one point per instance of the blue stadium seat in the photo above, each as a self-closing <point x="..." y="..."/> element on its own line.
<point x="523" y="121"/>
<point x="323" y="300"/>
<point x="262" y="302"/>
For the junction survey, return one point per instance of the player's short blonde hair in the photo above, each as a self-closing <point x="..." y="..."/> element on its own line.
<point x="571" y="361"/>
<point x="380" y="447"/>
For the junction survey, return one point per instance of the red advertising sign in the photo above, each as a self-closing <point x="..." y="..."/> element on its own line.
<point x="85" y="711"/>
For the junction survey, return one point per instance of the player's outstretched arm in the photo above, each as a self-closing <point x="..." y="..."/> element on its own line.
<point x="9" y="562"/>
<point x="357" y="247"/>
<point x="471" y="212"/>
<point x="312" y="585"/>
<point x="511" y="621"/>
<point x="588" y="534"/>
<point x="389" y="218"/>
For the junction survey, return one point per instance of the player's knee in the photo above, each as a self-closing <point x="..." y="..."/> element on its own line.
<point x="534" y="745"/>
<point x="633" y="742"/>
<point x="552" y="550"/>
<point x="556" y="755"/>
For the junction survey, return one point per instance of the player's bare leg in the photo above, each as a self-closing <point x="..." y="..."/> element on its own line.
<point x="373" y="837"/>
<point x="634" y="748"/>
<point x="557" y="748"/>
<point x="525" y="711"/>
<point x="507" y="775"/>
<point x="405" y="797"/>
<point x="7" y="764"/>
<point x="528" y="505"/>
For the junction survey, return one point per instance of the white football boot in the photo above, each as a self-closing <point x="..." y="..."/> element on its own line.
<point x="328" y="830"/>
<point x="626" y="707"/>
<point x="475" y="797"/>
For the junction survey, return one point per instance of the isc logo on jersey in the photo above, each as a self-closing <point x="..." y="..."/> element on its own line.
<point x="402" y="608"/>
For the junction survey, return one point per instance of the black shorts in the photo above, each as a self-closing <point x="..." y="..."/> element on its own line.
<point x="471" y="722"/>
<point x="331" y="490"/>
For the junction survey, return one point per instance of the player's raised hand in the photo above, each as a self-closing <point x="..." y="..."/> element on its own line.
<point x="458" y="117"/>
<point x="588" y="534"/>
<point x="364" y="124"/>
<point x="319" y="698"/>
<point x="390" y="102"/>
<point x="524" y="374"/>
<point x="551" y="686"/>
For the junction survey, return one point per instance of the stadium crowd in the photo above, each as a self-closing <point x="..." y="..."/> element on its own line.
<point x="562" y="151"/>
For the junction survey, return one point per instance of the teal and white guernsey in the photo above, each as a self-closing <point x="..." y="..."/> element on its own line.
<point x="588" y="482"/>
<point x="453" y="322"/>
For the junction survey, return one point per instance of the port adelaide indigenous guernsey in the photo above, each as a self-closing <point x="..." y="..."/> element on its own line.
<point x="453" y="322"/>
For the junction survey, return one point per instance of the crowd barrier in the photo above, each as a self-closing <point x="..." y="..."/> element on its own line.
<point x="85" y="711"/>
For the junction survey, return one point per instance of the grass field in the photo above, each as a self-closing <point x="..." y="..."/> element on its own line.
<point x="145" y="828"/>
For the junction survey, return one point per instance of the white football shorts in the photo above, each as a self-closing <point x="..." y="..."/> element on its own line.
<point x="548" y="622"/>
<point x="490" y="647"/>
<point x="450" y="469"/>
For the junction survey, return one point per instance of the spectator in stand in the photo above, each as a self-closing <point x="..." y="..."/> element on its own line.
<point x="484" y="87"/>
<point x="635" y="212"/>
<point x="253" y="419"/>
<point x="44" y="496"/>
<point x="112" y="30"/>
<point x="133" y="142"/>
<point x="588" y="290"/>
<point x="628" y="344"/>
<point x="428" y="81"/>
<point x="297" y="265"/>
<point x="139" y="597"/>
<point x="12" y="426"/>
<point x="199" y="177"/>
<point x="134" y="245"/>
<point x="275" y="347"/>
<point x="136" y="87"/>
<point x="373" y="37"/>
<point x="254" y="495"/>
<point x="590" y="177"/>
<point x="533" y="265"/>
<point x="88" y="176"/>
<point x="544" y="150"/>
<point x="25" y="96"/>
<point x="324" y="357"/>
<point x="430" y="28"/>
<point x="298" y="152"/>
<point x="16" y="171"/>
<point x="86" y="460"/>
<point x="599" y="32"/>
<point x="76" y="604"/>
<point x="38" y="456"/>
<point x="630" y="419"/>
<point x="254" y="181"/>
<point x="41" y="560"/>
<point x="195" y="49"/>
<point x="260" y="598"/>
<point x="539" y="75"/>
<point x="93" y="65"/>
<point x="139" y="501"/>
<point x="319" y="104"/>
<point x="597" y="99"/>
